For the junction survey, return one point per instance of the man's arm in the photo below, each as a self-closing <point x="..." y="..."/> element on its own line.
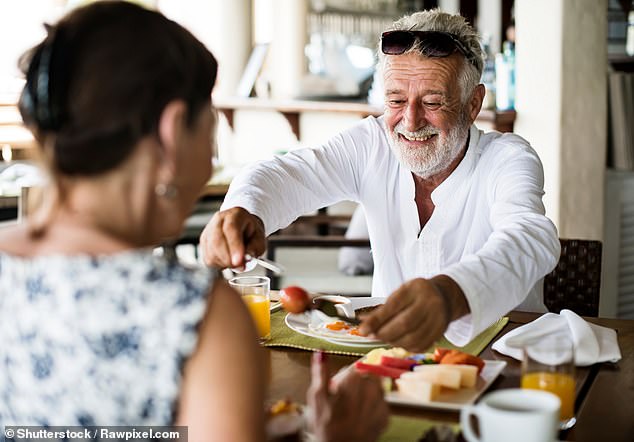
<point x="273" y="193"/>
<point x="522" y="247"/>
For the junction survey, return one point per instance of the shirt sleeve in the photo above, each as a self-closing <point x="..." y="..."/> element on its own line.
<point x="522" y="247"/>
<point x="304" y="180"/>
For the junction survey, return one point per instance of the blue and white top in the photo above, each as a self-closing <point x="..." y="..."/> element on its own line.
<point x="96" y="340"/>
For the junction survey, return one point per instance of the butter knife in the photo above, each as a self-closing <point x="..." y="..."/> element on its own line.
<point x="329" y="308"/>
<point x="273" y="266"/>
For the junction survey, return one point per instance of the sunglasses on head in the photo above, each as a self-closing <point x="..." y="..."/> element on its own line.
<point x="433" y="43"/>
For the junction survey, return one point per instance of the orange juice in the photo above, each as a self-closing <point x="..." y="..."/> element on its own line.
<point x="561" y="384"/>
<point x="259" y="307"/>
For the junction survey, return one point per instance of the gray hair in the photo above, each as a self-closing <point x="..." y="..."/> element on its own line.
<point x="436" y="20"/>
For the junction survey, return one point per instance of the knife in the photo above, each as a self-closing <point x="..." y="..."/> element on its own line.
<point x="273" y="266"/>
<point x="330" y="308"/>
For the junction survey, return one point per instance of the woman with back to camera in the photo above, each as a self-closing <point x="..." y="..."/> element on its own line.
<point x="95" y="330"/>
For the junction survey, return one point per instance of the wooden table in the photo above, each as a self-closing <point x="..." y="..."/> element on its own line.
<point x="605" y="392"/>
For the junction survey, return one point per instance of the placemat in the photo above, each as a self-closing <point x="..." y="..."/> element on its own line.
<point x="282" y="336"/>
<point x="410" y="429"/>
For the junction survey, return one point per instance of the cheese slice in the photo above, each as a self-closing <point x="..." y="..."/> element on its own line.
<point x="438" y="374"/>
<point x="468" y="374"/>
<point x="418" y="389"/>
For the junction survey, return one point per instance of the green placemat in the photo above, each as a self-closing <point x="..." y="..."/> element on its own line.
<point x="282" y="336"/>
<point x="409" y="429"/>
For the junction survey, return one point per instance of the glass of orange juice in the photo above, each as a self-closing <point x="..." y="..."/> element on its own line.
<point x="549" y="364"/>
<point x="255" y="291"/>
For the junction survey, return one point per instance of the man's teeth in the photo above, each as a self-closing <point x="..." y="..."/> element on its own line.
<point x="425" y="138"/>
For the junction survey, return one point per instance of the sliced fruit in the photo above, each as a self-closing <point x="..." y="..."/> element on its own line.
<point x="458" y="357"/>
<point x="418" y="389"/>
<point x="379" y="370"/>
<point x="437" y="374"/>
<point x="389" y="361"/>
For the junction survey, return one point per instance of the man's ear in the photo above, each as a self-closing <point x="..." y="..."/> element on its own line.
<point x="475" y="104"/>
<point x="171" y="126"/>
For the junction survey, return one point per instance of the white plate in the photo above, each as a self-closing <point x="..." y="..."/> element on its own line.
<point x="300" y="324"/>
<point x="454" y="400"/>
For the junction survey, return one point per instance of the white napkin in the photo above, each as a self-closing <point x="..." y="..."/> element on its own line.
<point x="592" y="343"/>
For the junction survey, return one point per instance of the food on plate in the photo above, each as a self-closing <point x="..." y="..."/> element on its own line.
<point x="374" y="356"/>
<point x="294" y="299"/>
<point x="423" y="376"/>
<point x="418" y="389"/>
<point x="457" y="357"/>
<point x="379" y="370"/>
<point x="444" y="376"/>
<point x="338" y="330"/>
<point x="404" y="363"/>
<point x="283" y="406"/>
<point x="338" y="325"/>
<point x="284" y="421"/>
<point x="451" y="376"/>
<point x="341" y="326"/>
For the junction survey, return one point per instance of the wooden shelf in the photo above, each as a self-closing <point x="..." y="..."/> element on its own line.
<point x="621" y="62"/>
<point x="291" y="109"/>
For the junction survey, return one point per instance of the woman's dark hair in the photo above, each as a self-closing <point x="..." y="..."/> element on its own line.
<point x="101" y="78"/>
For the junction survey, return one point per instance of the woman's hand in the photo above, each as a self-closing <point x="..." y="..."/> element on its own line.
<point x="348" y="407"/>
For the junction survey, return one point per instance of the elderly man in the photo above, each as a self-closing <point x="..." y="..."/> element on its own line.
<point x="455" y="216"/>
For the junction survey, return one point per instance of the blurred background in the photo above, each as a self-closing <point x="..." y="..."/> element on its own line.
<point x="295" y="72"/>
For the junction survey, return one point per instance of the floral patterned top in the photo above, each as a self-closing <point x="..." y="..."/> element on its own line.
<point x="96" y="340"/>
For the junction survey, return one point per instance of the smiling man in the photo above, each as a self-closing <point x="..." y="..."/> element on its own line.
<point x="455" y="216"/>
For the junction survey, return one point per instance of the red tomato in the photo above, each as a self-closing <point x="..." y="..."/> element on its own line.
<point x="294" y="299"/>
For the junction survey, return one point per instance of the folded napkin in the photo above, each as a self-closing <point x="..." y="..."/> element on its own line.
<point x="592" y="343"/>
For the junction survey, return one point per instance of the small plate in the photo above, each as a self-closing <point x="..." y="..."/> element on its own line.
<point x="301" y="324"/>
<point x="454" y="400"/>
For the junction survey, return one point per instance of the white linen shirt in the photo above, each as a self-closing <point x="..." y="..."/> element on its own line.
<point x="488" y="231"/>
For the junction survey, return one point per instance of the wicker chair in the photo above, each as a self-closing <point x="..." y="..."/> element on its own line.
<point x="576" y="281"/>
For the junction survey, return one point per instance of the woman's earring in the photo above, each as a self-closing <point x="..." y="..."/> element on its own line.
<point x="166" y="190"/>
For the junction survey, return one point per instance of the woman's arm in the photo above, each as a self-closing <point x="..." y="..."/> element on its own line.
<point x="222" y="394"/>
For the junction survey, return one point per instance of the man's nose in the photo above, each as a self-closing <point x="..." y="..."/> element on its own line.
<point x="414" y="117"/>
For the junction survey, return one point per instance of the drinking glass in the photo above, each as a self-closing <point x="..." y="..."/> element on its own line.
<point x="255" y="291"/>
<point x="549" y="364"/>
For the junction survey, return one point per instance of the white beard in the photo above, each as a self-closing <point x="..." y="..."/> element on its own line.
<point x="430" y="161"/>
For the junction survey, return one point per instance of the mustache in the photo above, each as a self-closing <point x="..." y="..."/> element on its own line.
<point x="426" y="131"/>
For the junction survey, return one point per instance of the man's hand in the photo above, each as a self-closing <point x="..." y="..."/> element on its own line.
<point x="230" y="235"/>
<point x="348" y="407"/>
<point x="417" y="313"/>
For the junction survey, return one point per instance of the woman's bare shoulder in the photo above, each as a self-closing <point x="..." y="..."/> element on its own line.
<point x="16" y="240"/>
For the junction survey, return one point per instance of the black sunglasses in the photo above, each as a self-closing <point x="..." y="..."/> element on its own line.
<point x="433" y="43"/>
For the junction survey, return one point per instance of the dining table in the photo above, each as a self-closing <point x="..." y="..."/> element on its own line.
<point x="604" y="402"/>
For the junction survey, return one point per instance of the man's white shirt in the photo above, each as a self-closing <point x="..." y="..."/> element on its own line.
<point x="488" y="231"/>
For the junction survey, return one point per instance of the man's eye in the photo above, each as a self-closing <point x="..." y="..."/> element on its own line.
<point x="396" y="101"/>
<point x="431" y="103"/>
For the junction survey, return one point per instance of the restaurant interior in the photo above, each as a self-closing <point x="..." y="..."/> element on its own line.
<point x="557" y="72"/>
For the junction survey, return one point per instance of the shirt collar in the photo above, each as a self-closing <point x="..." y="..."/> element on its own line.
<point x="453" y="182"/>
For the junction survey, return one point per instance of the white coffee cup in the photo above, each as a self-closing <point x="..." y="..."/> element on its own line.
<point x="513" y="414"/>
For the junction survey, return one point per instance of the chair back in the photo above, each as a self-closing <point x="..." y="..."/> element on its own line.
<point x="576" y="281"/>
<point x="30" y="199"/>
